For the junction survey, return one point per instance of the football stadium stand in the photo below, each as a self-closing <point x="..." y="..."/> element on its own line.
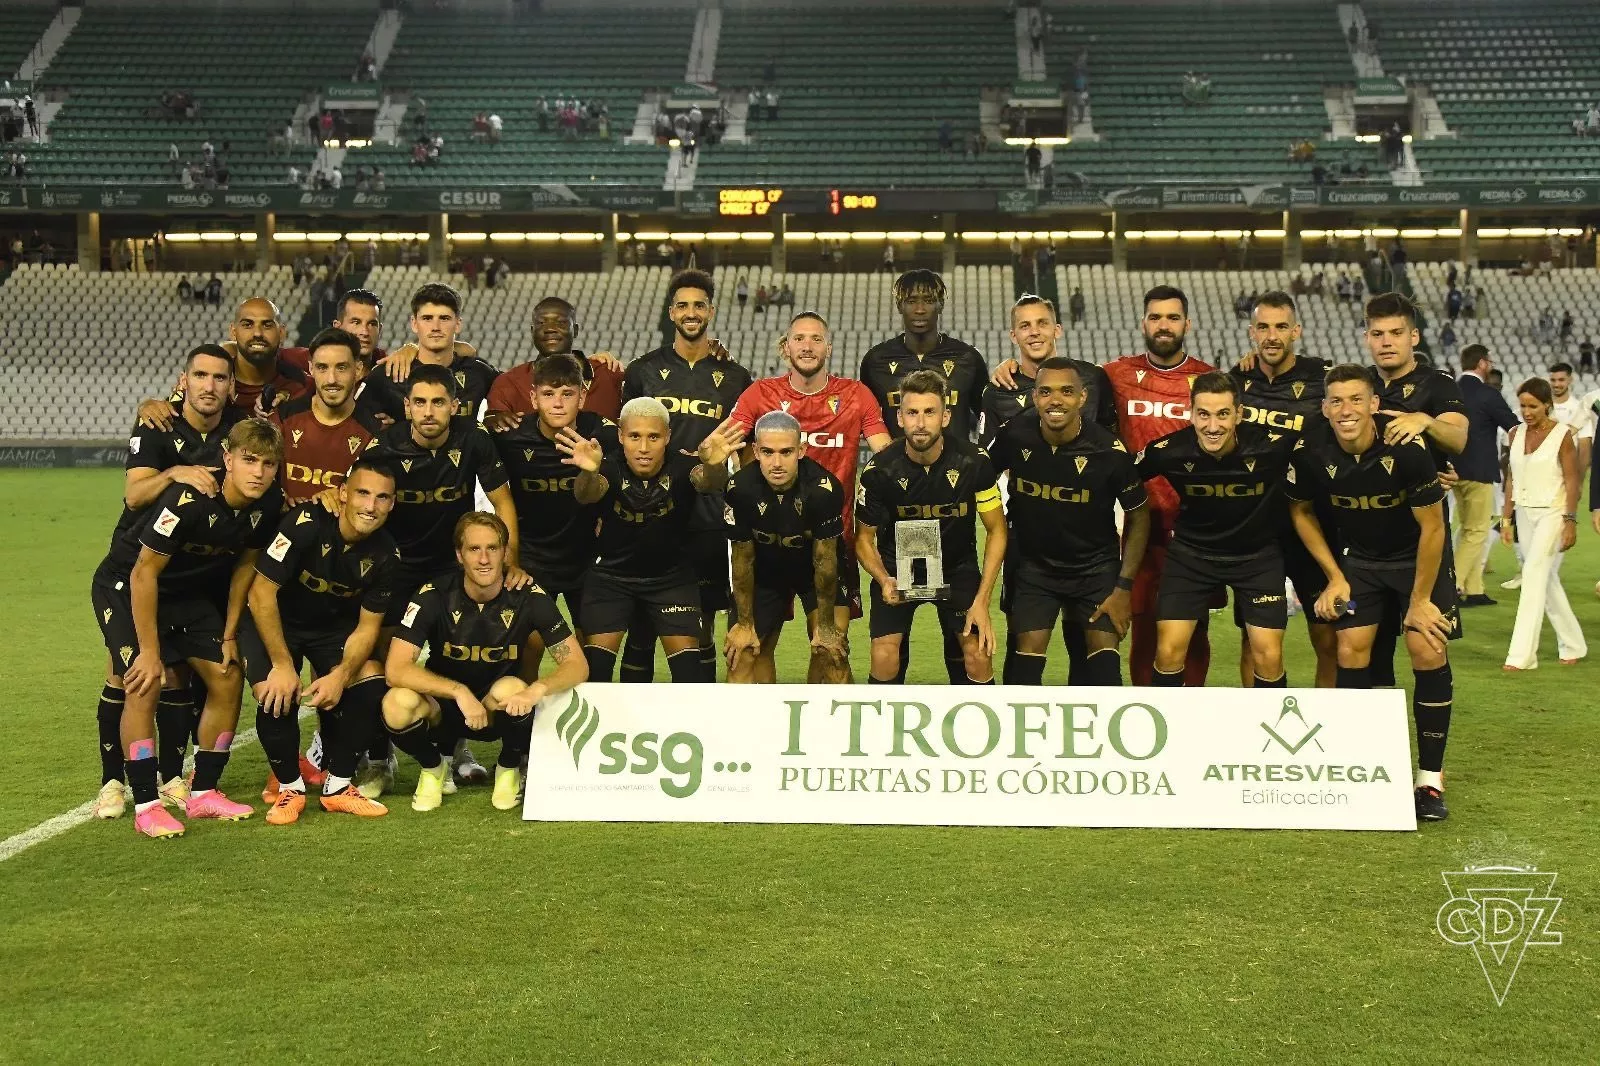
<point x="1509" y="80"/>
<point x="20" y="28"/>
<point x="247" y="71"/>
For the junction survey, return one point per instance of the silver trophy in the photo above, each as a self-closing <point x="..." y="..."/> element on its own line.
<point x="919" y="560"/>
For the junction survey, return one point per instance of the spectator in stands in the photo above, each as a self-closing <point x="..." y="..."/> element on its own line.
<point x="691" y="145"/>
<point x="1241" y="306"/>
<point x="469" y="271"/>
<point x="31" y="114"/>
<point x="1586" y="355"/>
<point x="1357" y="290"/>
<point x="761" y="300"/>
<point x="1566" y="328"/>
<point x="185" y="290"/>
<point x="772" y="105"/>
<point x="1397" y="263"/>
<point x="378" y="182"/>
<point x="1033" y="160"/>
<point x="1469" y="302"/>
<point x="1545" y="327"/>
<point x="786" y="296"/>
<point x="367" y="69"/>
<point x="496" y="126"/>
<point x="741" y="291"/>
<point x="569" y="122"/>
<point x="419" y="152"/>
<point x="325" y="126"/>
<point x="480" y="126"/>
<point x="1447" y="340"/>
<point x="435" y="150"/>
<point x="1076" y="305"/>
<point x="1452" y="301"/>
<point x="602" y="124"/>
<point x="336" y="178"/>
<point x="888" y="257"/>
<point x="541" y="114"/>
<point x="221" y="174"/>
<point x="1319" y="284"/>
<point x="214" y="291"/>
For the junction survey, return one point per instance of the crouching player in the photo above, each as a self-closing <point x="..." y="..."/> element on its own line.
<point x="481" y="682"/>
<point x="320" y="592"/>
<point x="173" y="590"/>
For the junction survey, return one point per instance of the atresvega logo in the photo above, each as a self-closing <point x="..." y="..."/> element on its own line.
<point x="680" y="756"/>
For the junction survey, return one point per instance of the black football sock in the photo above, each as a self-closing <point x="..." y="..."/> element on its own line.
<point x="1160" y="679"/>
<point x="141" y="760"/>
<point x="1024" y="668"/>
<point x="381" y="748"/>
<point x="349" y="729"/>
<point x="708" y="658"/>
<point x="601" y="662"/>
<point x="208" y="767"/>
<point x="108" y="720"/>
<point x="1431" y="703"/>
<point x="174" y="726"/>
<point x="638" y="657"/>
<point x="1282" y="681"/>
<point x="1103" y="668"/>
<point x="280" y="739"/>
<point x="416" y="741"/>
<point x="1352" y="677"/>
<point x="955" y="663"/>
<point x="1077" y="656"/>
<point x="688" y="668"/>
<point x="516" y="736"/>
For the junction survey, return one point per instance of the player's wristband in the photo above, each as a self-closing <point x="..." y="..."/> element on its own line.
<point x="1569" y="517"/>
<point x="1125" y="583"/>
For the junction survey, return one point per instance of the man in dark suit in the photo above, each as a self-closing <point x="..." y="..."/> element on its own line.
<point x="1478" y="468"/>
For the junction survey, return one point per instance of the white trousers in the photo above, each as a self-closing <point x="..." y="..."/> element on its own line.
<point x="1542" y="595"/>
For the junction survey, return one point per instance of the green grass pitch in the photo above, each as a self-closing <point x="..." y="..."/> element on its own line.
<point x="467" y="935"/>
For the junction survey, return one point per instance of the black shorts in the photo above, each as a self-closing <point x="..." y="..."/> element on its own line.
<point x="450" y="713"/>
<point x="1190" y="583"/>
<point x="323" y="650"/>
<point x="408" y="578"/>
<point x="610" y="600"/>
<point x="888" y="619"/>
<point x="707" y="552"/>
<point x="1303" y="573"/>
<point x="188" y="627"/>
<point x="1036" y="594"/>
<point x="1377" y="590"/>
<point x="775" y="593"/>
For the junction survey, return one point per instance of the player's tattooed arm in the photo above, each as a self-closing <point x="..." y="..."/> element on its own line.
<point x="825" y="577"/>
<point x="585" y="454"/>
<point x="742" y="639"/>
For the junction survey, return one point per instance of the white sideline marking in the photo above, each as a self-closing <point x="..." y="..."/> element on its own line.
<point x="51" y="828"/>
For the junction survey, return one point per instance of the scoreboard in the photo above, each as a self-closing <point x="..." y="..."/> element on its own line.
<point x="773" y="199"/>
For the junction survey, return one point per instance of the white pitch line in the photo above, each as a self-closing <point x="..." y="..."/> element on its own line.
<point x="51" y="828"/>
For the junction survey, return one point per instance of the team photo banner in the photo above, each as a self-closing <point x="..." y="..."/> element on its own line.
<point x="957" y="755"/>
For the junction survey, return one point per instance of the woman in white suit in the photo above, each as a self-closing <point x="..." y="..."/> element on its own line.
<point x="1542" y="495"/>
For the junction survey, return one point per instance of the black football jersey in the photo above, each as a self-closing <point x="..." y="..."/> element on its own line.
<point x="474" y="378"/>
<point x="433" y="489"/>
<point x="959" y="484"/>
<point x="557" y="532"/>
<point x="1289" y="402"/>
<point x="182" y="445"/>
<point x="1370" y="495"/>
<point x="784" y="525"/>
<point x="1425" y="389"/>
<point x="962" y="365"/>
<point x="1228" y="506"/>
<point x="202" y="536"/>
<point x="1002" y="405"/>
<point x="475" y="643"/>
<point x="644" y="521"/>
<point x="1062" y="501"/>
<point x="698" y="397"/>
<point x="325" y="582"/>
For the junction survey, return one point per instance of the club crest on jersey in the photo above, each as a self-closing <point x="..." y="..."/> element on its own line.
<point x="461" y="378"/>
<point x="455" y="616"/>
<point x="405" y="464"/>
<point x="1080" y="462"/>
<point x="1407" y="390"/>
<point x="211" y="520"/>
<point x="354" y="444"/>
<point x="952" y="476"/>
<point x="949" y="367"/>
<point x="185" y="497"/>
<point x="1189" y="380"/>
<point x="664" y="373"/>
<point x="904" y="483"/>
<point x="798" y="505"/>
<point x="833" y="404"/>
<point x="1298" y="388"/>
<point x="1387" y="462"/>
<point x="296" y="434"/>
<point x="366" y="567"/>
<point x="716" y="379"/>
<point x="506" y="616"/>
<point x="666" y="483"/>
<point x="761" y="508"/>
<point x="1026" y="454"/>
<point x="455" y="456"/>
<point x="125" y="653"/>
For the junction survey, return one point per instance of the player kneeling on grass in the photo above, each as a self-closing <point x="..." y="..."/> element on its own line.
<point x="481" y="681"/>
<point x="319" y="593"/>
<point x="930" y="474"/>
<point x="1388" y="508"/>
<point x="1229" y="477"/>
<point x="195" y="560"/>
<point x="646" y="501"/>
<point x="785" y="520"/>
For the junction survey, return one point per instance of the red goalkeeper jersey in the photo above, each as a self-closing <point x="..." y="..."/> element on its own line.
<point x="1153" y="401"/>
